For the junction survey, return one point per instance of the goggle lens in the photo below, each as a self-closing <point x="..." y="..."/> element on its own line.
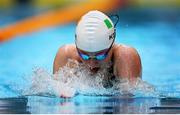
<point x="84" y="56"/>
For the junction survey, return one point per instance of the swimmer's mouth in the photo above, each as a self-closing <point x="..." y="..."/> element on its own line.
<point x="94" y="69"/>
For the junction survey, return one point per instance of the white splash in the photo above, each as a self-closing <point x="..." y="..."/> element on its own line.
<point x="75" y="78"/>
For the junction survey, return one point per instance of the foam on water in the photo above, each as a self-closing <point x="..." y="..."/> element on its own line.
<point x="75" y="78"/>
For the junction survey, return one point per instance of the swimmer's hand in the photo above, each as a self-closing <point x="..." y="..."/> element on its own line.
<point x="63" y="90"/>
<point x="67" y="92"/>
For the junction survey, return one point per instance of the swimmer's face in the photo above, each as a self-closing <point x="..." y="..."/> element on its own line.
<point x="94" y="59"/>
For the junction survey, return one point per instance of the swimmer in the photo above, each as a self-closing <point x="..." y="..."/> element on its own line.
<point x="95" y="44"/>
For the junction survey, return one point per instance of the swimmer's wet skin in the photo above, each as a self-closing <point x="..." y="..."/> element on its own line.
<point x="94" y="45"/>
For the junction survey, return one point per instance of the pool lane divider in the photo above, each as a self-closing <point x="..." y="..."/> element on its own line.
<point x="57" y="17"/>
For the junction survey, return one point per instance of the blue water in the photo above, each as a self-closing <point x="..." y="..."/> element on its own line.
<point x="158" y="45"/>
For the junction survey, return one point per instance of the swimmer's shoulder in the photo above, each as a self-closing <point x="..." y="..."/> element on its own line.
<point x="121" y="49"/>
<point x="69" y="51"/>
<point x="126" y="57"/>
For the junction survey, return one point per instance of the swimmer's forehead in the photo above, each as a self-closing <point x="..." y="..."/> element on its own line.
<point x="92" y="53"/>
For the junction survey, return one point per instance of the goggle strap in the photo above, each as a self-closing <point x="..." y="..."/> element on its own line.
<point x="117" y="17"/>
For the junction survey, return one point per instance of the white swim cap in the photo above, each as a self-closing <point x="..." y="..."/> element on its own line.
<point x="94" y="32"/>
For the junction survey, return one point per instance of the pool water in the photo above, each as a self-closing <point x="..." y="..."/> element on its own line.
<point x="156" y="41"/>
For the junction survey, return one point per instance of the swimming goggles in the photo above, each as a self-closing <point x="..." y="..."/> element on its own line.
<point x="99" y="56"/>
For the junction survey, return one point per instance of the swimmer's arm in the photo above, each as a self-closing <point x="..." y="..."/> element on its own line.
<point x="128" y="63"/>
<point x="60" y="59"/>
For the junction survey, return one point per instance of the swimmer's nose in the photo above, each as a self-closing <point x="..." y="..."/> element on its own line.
<point x="93" y="62"/>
